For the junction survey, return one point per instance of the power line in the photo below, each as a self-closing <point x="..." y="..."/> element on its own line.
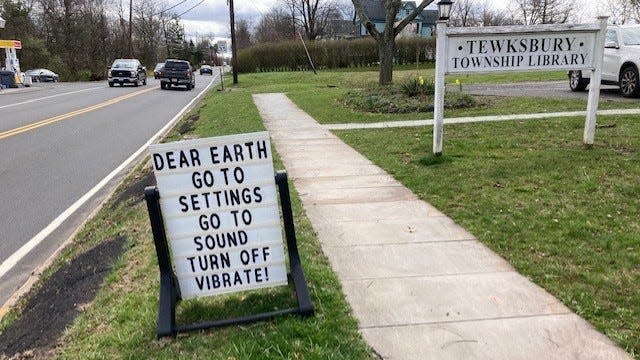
<point x="171" y="7"/>
<point x="193" y="7"/>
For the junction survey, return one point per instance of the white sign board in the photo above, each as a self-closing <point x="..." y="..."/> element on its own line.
<point x="518" y="48"/>
<point x="545" y="49"/>
<point x="219" y="205"/>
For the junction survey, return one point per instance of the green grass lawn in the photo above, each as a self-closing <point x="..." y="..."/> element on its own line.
<point x="563" y="215"/>
<point x="319" y="94"/>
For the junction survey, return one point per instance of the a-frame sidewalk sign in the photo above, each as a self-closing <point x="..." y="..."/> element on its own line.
<point x="216" y="226"/>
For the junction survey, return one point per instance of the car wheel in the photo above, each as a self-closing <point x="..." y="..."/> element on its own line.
<point x="576" y="81"/>
<point x="629" y="82"/>
<point x="162" y="86"/>
<point x="144" y="82"/>
<point x="110" y="84"/>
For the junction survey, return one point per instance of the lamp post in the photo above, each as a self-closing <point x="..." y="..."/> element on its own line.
<point x="444" y="10"/>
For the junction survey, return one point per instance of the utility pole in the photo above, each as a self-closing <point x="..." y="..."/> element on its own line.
<point x="130" y="29"/>
<point x="234" y="53"/>
<point x="164" y="32"/>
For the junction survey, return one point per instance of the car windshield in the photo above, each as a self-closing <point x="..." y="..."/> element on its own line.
<point x="631" y="35"/>
<point x="124" y="65"/>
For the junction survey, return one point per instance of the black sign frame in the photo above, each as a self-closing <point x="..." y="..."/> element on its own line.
<point x="170" y="292"/>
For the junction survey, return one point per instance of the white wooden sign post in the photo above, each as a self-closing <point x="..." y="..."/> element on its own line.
<point x="216" y="223"/>
<point x="519" y="48"/>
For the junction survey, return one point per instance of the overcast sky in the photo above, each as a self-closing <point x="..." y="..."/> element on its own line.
<point x="211" y="17"/>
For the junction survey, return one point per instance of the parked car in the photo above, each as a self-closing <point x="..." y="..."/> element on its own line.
<point x="158" y="70"/>
<point x="620" y="63"/>
<point x="42" y="75"/>
<point x="127" y="71"/>
<point x="177" y="73"/>
<point x="206" y="69"/>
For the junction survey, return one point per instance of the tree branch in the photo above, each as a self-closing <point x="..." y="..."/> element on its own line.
<point x="401" y="25"/>
<point x="364" y="19"/>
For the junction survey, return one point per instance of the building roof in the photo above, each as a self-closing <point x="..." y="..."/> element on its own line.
<point x="430" y="16"/>
<point x="375" y="10"/>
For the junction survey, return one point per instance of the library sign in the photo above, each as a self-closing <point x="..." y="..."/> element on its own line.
<point x="521" y="52"/>
<point x="518" y="48"/>
<point x="219" y="204"/>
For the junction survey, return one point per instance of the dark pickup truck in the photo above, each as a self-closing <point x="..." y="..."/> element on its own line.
<point x="177" y="73"/>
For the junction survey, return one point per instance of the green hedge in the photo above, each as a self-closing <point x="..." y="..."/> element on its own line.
<point x="329" y="54"/>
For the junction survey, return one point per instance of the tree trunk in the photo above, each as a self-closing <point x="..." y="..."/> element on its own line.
<point x="386" y="39"/>
<point x="386" y="51"/>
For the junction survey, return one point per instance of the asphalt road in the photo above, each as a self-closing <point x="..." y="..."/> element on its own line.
<point x="58" y="142"/>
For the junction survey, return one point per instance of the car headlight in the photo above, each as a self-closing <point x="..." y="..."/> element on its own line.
<point x="133" y="73"/>
<point x="109" y="73"/>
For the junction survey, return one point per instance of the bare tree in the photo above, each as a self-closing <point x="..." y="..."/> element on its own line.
<point x="274" y="26"/>
<point x="496" y="17"/>
<point x="465" y="13"/>
<point x="386" y="40"/>
<point x="313" y="16"/>
<point x="544" y="11"/>
<point x="243" y="36"/>
<point x="621" y="11"/>
<point x="479" y="13"/>
<point x="148" y="31"/>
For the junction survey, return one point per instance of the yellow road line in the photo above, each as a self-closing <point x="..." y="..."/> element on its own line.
<point x="19" y="130"/>
<point x="4" y="310"/>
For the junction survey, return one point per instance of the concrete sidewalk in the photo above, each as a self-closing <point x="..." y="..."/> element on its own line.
<point x="420" y="285"/>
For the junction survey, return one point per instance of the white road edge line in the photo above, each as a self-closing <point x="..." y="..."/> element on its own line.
<point x="50" y="97"/>
<point x="26" y="248"/>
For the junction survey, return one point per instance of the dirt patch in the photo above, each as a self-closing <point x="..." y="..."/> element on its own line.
<point x="188" y="124"/>
<point x="58" y="302"/>
<point x="134" y="192"/>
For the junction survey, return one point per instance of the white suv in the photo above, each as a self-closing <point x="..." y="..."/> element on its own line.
<point x="620" y="62"/>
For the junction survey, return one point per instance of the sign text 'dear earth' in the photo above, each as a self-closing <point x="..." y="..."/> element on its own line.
<point x="219" y="203"/>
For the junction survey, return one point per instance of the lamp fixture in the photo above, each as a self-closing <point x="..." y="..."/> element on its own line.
<point x="444" y="9"/>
